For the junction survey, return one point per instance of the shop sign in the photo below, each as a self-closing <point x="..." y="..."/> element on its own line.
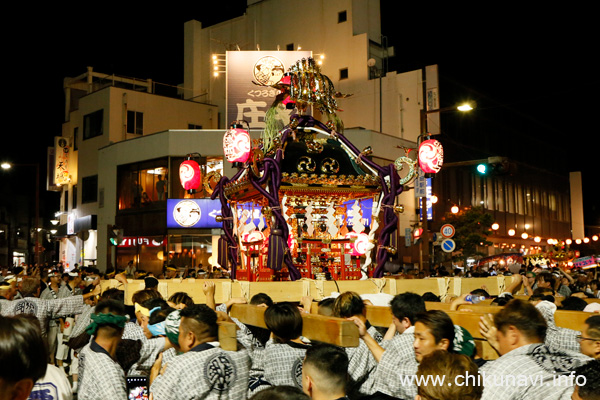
<point x="134" y="241"/>
<point x="61" y="161"/>
<point x="193" y="213"/>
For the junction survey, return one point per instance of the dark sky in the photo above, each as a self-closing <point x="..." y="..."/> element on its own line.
<point x="532" y="73"/>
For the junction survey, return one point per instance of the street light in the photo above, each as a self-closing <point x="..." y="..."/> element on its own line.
<point x="465" y="107"/>
<point x="6" y="166"/>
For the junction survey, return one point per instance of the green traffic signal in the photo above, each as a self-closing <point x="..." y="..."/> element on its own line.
<point x="482" y="169"/>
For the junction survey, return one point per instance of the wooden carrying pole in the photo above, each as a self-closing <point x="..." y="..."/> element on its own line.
<point x="337" y="331"/>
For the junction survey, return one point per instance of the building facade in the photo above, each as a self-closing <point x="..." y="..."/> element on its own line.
<point x="103" y="109"/>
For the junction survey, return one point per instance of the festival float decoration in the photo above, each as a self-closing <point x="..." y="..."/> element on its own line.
<point x="315" y="202"/>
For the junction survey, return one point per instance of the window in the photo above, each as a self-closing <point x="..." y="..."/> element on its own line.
<point x="92" y="124"/>
<point x="510" y="190"/>
<point x="75" y="133"/>
<point x="135" y="122"/>
<point x="74" y="198"/>
<point x="520" y="207"/>
<point x="342" y="16"/>
<point x="194" y="126"/>
<point x="89" y="189"/>
<point x="208" y="165"/>
<point x="343" y="73"/>
<point x="290" y="47"/>
<point x="142" y="184"/>
<point x="500" y="195"/>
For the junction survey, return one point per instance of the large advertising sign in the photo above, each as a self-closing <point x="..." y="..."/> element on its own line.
<point x="249" y="77"/>
<point x="193" y="213"/>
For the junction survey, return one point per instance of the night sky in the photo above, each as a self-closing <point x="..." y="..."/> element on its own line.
<point x="531" y="72"/>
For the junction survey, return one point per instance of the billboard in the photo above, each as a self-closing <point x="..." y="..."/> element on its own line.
<point x="193" y="213"/>
<point x="249" y="75"/>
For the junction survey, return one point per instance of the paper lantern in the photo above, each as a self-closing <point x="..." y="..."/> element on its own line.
<point x="236" y="145"/>
<point x="361" y="242"/>
<point x="190" y="175"/>
<point x="254" y="237"/>
<point x="431" y="156"/>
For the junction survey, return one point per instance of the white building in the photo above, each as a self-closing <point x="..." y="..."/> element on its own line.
<point x="103" y="109"/>
<point x="347" y="33"/>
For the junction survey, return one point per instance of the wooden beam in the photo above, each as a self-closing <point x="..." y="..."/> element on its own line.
<point x="249" y="314"/>
<point x="379" y="316"/>
<point x="338" y="331"/>
<point x="227" y="335"/>
<point x="572" y="319"/>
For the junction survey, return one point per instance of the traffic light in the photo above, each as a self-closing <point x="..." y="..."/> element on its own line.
<point x="115" y="235"/>
<point x="496" y="166"/>
<point x="417" y="232"/>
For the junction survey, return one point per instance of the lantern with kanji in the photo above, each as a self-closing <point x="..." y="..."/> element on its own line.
<point x="431" y="156"/>
<point x="236" y="144"/>
<point x="190" y="175"/>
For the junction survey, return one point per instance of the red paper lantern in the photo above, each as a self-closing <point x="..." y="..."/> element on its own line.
<point x="236" y="145"/>
<point x="431" y="156"/>
<point x="190" y="175"/>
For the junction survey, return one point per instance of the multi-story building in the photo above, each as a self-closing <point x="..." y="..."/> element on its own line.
<point x="100" y="110"/>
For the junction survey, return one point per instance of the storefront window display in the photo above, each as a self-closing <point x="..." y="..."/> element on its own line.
<point x="146" y="252"/>
<point x="190" y="251"/>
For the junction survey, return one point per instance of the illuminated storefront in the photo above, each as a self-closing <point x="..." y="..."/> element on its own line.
<point x="164" y="225"/>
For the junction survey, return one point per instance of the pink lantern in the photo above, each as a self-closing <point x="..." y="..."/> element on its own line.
<point x="190" y="175"/>
<point x="431" y="156"/>
<point x="236" y="145"/>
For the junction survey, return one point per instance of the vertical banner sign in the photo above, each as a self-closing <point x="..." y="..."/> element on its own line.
<point x="420" y="184"/>
<point x="61" y="163"/>
<point x="249" y="77"/>
<point x="433" y="99"/>
<point x="50" y="164"/>
<point x="71" y="224"/>
<point x="428" y="204"/>
<point x="407" y="237"/>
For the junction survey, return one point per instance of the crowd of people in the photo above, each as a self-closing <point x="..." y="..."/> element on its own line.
<point x="61" y="337"/>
